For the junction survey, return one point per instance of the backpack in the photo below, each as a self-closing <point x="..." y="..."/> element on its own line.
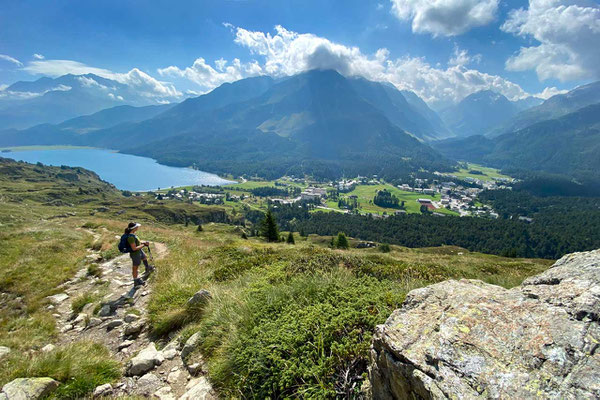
<point x="124" y="246"/>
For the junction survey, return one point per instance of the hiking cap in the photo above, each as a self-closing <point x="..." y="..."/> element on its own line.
<point x="133" y="225"/>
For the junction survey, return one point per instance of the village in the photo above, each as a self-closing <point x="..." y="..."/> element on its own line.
<point x="445" y="195"/>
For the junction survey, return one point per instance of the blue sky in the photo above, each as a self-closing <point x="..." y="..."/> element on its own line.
<point x="443" y="50"/>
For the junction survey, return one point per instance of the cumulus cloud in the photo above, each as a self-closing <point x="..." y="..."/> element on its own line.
<point x="549" y="92"/>
<point x="209" y="77"/>
<point x="288" y="53"/>
<point x="11" y="60"/>
<point x="445" y="17"/>
<point x="568" y="33"/>
<point x="38" y="56"/>
<point x="137" y="80"/>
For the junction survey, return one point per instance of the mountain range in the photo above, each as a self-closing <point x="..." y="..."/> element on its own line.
<point x="54" y="100"/>
<point x="321" y="123"/>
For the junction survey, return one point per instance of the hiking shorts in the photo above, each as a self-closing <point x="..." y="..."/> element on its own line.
<point x="137" y="257"/>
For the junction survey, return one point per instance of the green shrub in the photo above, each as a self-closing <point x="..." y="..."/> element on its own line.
<point x="80" y="301"/>
<point x="384" y="248"/>
<point x="341" y="241"/>
<point x="94" y="270"/>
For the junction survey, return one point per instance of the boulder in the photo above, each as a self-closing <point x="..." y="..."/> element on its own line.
<point x="28" y="388"/>
<point x="131" y="317"/>
<point x="200" y="298"/>
<point x="164" y="393"/>
<point x="170" y="351"/>
<point x="115" y="323"/>
<point x="198" y="389"/>
<point x="105" y="311"/>
<point x="145" y="361"/>
<point x="134" y="328"/>
<point x="467" y="339"/>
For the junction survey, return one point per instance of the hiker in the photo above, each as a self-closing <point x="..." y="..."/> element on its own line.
<point x="137" y="253"/>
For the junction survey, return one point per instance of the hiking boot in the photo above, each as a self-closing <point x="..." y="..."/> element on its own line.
<point x="149" y="269"/>
<point x="138" y="282"/>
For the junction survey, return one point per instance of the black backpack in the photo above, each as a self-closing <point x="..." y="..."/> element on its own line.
<point x="124" y="246"/>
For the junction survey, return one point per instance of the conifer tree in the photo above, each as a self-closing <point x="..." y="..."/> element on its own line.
<point x="342" y="241"/>
<point x="269" y="229"/>
<point x="290" y="238"/>
<point x="199" y="228"/>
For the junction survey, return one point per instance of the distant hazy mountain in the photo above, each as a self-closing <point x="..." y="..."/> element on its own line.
<point x="71" y="131"/>
<point x="431" y="116"/>
<point x="46" y="100"/>
<point x="479" y="112"/>
<point x="567" y="145"/>
<point x="554" y="107"/>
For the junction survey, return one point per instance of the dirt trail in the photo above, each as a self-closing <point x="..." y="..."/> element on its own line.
<point x="117" y="317"/>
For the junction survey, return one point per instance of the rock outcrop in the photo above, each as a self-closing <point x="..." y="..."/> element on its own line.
<point x="28" y="389"/>
<point x="466" y="339"/>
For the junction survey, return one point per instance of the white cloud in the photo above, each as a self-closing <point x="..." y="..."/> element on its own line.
<point x="148" y="86"/>
<point x="568" y="33"/>
<point x="11" y="59"/>
<point x="3" y="86"/>
<point x="462" y="57"/>
<point x="288" y="53"/>
<point x="207" y="77"/>
<point x="16" y="95"/>
<point x="549" y="92"/>
<point x="38" y="56"/>
<point x="445" y="17"/>
<point x="56" y="68"/>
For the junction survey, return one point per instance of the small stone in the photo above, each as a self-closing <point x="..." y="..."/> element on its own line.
<point x="80" y="321"/>
<point x="190" y="345"/>
<point x="103" y="390"/>
<point x="148" y="379"/>
<point x="4" y="351"/>
<point x="170" y="351"/>
<point x="200" y="298"/>
<point x="131" y="317"/>
<point x="56" y="315"/>
<point x="66" y="328"/>
<point x="125" y="344"/>
<point x="50" y="307"/>
<point x="105" y="311"/>
<point x="134" y="328"/>
<point x="88" y="309"/>
<point x="58" y="298"/>
<point x="175" y="377"/>
<point x="29" y="388"/>
<point x="114" y="324"/>
<point x="48" y="348"/>
<point x="94" y="322"/>
<point x="164" y="393"/>
<point x="194" y="369"/>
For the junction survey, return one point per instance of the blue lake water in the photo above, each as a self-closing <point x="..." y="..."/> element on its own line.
<point x="125" y="171"/>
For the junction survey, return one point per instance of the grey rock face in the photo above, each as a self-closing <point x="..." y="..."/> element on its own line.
<point x="467" y="339"/>
<point x="28" y="388"/>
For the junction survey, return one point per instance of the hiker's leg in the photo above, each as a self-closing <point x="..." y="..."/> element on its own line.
<point x="134" y="271"/>
<point x="144" y="259"/>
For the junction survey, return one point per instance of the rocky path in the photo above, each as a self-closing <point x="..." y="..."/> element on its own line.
<point x="116" y="316"/>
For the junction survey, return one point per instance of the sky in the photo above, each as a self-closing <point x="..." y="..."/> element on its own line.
<point x="441" y="49"/>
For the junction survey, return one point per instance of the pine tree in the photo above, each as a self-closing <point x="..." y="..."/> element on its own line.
<point x="290" y="238"/>
<point x="269" y="229"/>
<point x="342" y="241"/>
<point x="199" y="229"/>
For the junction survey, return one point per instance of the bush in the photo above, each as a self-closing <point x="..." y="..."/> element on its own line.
<point x="384" y="248"/>
<point x="290" y="238"/>
<point x="342" y="241"/>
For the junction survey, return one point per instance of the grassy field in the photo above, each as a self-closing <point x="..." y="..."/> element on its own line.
<point x="366" y="193"/>
<point x="285" y="321"/>
<point x="488" y="174"/>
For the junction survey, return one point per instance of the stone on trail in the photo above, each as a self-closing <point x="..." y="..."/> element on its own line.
<point x="200" y="298"/>
<point x="177" y="376"/>
<point x="105" y="311"/>
<point x="145" y="361"/>
<point x="131" y="317"/>
<point x="134" y="328"/>
<point x="190" y="345"/>
<point x="164" y="393"/>
<point x="4" y="351"/>
<point x="148" y="383"/>
<point x="198" y="389"/>
<point x="94" y="322"/>
<point x="28" y="388"/>
<point x="103" y="390"/>
<point x="58" y="298"/>
<point x="115" y="323"/>
<point x="170" y="351"/>
<point x="466" y="339"/>
<point x="194" y="369"/>
<point x="125" y="344"/>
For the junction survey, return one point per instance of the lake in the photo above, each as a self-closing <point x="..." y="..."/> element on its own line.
<point x="125" y="171"/>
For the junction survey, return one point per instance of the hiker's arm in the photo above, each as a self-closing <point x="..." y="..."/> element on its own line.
<point x="136" y="248"/>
